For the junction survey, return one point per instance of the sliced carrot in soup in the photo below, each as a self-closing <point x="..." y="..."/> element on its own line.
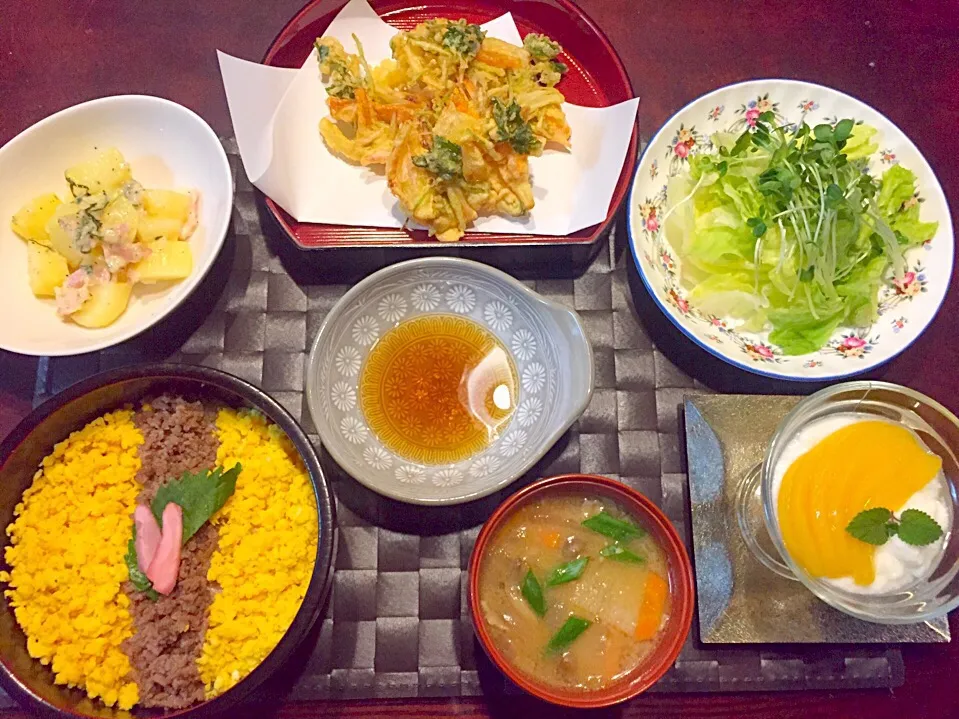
<point x="551" y="539"/>
<point x="652" y="608"/>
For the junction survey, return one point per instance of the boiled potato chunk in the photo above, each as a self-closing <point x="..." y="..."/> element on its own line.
<point x="46" y="269"/>
<point x="167" y="203"/>
<point x="106" y="303"/>
<point x="61" y="230"/>
<point x="31" y="220"/>
<point x="104" y="173"/>
<point x="168" y="260"/>
<point x="158" y="228"/>
<point x="120" y="221"/>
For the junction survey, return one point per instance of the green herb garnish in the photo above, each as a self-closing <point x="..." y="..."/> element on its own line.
<point x="199" y="495"/>
<point x="463" y="38"/>
<point x="322" y="52"/>
<point x="621" y="530"/>
<point x="512" y="128"/>
<point x="877" y="525"/>
<point x="533" y="593"/>
<point x="541" y="47"/>
<point x="618" y="552"/>
<point x="568" y="633"/>
<point x="567" y="572"/>
<point x="561" y="67"/>
<point x="445" y="159"/>
<point x="342" y="80"/>
<point x="137" y="577"/>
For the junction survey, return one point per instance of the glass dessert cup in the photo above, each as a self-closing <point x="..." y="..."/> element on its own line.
<point x="929" y="597"/>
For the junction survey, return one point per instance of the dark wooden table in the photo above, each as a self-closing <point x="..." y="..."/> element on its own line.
<point x="900" y="56"/>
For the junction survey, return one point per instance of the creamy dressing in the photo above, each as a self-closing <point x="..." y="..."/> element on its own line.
<point x="898" y="565"/>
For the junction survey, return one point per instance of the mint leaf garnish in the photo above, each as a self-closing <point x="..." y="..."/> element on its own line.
<point x="870" y="525"/>
<point x="918" y="528"/>
<point x="878" y="524"/>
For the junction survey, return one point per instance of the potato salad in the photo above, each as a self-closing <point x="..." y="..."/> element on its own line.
<point x="87" y="250"/>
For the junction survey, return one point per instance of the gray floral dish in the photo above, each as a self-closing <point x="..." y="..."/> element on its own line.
<point x="546" y="344"/>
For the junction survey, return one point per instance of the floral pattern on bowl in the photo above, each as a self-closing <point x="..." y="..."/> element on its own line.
<point x="915" y="298"/>
<point x="546" y="342"/>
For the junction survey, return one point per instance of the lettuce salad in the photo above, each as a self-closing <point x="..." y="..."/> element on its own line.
<point x="784" y="229"/>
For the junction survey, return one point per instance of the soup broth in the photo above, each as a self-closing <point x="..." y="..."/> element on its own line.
<point x="574" y="592"/>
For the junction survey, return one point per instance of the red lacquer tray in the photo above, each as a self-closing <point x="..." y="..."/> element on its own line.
<point x="596" y="78"/>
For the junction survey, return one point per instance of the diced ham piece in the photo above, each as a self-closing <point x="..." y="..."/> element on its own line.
<point x="165" y="567"/>
<point x="118" y="234"/>
<point x="119" y="256"/>
<point x="148" y="536"/>
<point x="74" y="291"/>
<point x="101" y="274"/>
<point x="77" y="279"/>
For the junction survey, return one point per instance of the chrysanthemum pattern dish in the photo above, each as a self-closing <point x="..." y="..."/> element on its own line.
<point x="545" y="341"/>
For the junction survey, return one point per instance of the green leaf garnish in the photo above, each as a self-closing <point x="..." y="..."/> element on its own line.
<point x="463" y="38"/>
<point x="512" y="128"/>
<point x="834" y="196"/>
<point x="541" y="47"/>
<point x="758" y="226"/>
<point x="618" y="552"/>
<point x="341" y="80"/>
<point x="137" y="577"/>
<point x="877" y="525"/>
<point x="445" y="159"/>
<point x="621" y="530"/>
<point x="843" y="130"/>
<point x="567" y="572"/>
<point x="568" y="633"/>
<point x="918" y="528"/>
<point x="870" y="525"/>
<point x="322" y="51"/>
<point x="533" y="593"/>
<point x="199" y="495"/>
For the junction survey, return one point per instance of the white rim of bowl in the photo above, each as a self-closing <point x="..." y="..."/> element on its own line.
<point x="712" y="350"/>
<point x="195" y="278"/>
<point x="312" y="389"/>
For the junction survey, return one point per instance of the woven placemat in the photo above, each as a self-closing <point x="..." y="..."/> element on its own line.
<point x="398" y="623"/>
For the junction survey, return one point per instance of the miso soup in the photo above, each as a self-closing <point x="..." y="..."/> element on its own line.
<point x="573" y="591"/>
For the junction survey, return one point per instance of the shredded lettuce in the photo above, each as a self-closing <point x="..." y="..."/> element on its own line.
<point x="783" y="228"/>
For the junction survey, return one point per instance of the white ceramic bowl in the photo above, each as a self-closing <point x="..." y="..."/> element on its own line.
<point x="547" y="343"/>
<point x="905" y="311"/>
<point x="167" y="146"/>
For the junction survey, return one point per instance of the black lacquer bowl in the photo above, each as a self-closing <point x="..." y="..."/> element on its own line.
<point x="24" y="678"/>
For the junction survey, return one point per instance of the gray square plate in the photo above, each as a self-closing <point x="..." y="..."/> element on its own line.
<point x="739" y="600"/>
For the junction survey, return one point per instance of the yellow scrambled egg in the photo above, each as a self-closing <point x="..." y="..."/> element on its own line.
<point x="66" y="557"/>
<point x="267" y="548"/>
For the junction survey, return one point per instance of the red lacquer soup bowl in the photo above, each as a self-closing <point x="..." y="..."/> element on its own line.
<point x="680" y="577"/>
